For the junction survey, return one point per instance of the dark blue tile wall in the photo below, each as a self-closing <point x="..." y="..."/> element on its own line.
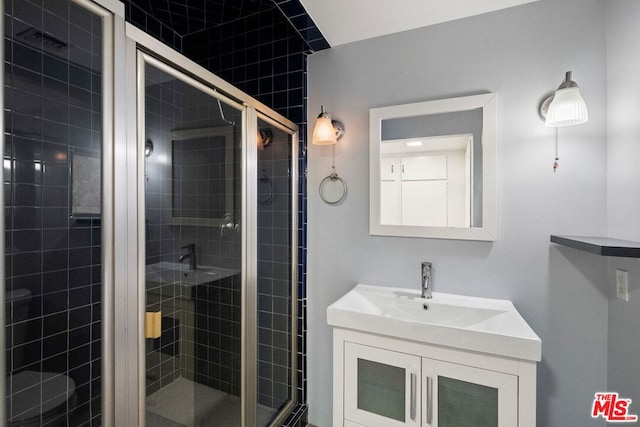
<point x="186" y="17"/>
<point x="52" y="109"/>
<point x="302" y="22"/>
<point x="141" y="18"/>
<point x="217" y="334"/>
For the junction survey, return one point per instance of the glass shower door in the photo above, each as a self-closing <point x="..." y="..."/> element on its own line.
<point x="193" y="207"/>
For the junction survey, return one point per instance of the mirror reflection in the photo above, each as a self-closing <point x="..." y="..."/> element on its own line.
<point x="433" y="169"/>
<point x="203" y="170"/>
<point x="426" y="181"/>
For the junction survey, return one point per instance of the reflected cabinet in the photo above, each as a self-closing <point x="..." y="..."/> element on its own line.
<point x="432" y="167"/>
<point x="384" y="382"/>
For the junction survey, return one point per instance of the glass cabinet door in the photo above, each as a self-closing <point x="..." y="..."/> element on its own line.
<point x="381" y="387"/>
<point x="458" y="395"/>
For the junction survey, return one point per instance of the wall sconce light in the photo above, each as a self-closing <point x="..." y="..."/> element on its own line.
<point x="326" y="131"/>
<point x="264" y="138"/>
<point x="565" y="107"/>
<point x="148" y="147"/>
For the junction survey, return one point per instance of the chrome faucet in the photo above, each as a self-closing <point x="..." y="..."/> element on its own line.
<point x="191" y="254"/>
<point x="427" y="280"/>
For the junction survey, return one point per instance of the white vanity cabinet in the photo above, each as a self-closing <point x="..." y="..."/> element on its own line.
<point x="448" y="361"/>
<point x="381" y="381"/>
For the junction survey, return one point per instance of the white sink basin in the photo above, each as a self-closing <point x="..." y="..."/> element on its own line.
<point x="173" y="273"/>
<point x="478" y="324"/>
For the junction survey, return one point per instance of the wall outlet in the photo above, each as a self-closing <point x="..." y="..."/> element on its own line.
<point x="622" y="284"/>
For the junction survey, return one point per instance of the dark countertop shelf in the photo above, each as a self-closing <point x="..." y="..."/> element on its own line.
<point x="604" y="246"/>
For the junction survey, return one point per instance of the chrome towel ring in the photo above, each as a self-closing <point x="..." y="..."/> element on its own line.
<point x="335" y="195"/>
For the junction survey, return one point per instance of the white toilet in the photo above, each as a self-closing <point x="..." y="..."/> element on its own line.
<point x="31" y="388"/>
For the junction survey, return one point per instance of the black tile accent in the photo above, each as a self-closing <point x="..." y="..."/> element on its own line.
<point x="39" y="245"/>
<point x="27" y="241"/>
<point x="241" y="56"/>
<point x="306" y="27"/>
<point x="153" y="21"/>
<point x="54" y="281"/>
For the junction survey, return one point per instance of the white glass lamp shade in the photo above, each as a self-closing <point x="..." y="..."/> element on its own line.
<point x="567" y="108"/>
<point x="324" y="133"/>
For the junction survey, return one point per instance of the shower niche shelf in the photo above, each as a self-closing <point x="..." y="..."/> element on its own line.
<point x="603" y="246"/>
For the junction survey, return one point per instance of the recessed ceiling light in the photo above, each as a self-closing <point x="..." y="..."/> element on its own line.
<point x="413" y="144"/>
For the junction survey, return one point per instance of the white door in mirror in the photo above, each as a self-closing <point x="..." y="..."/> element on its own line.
<point x="424" y="202"/>
<point x="452" y="140"/>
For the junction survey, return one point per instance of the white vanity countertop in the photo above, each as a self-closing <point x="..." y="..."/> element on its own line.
<point x="486" y="325"/>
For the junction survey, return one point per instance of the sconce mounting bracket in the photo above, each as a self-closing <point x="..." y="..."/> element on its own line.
<point x="544" y="108"/>
<point x="339" y="128"/>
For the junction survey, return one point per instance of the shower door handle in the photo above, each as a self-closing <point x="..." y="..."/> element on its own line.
<point x="153" y="324"/>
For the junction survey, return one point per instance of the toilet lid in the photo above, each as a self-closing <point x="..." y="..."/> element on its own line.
<point x="30" y="386"/>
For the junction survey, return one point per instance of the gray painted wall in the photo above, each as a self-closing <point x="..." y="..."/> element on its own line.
<point x="521" y="54"/>
<point x="623" y="190"/>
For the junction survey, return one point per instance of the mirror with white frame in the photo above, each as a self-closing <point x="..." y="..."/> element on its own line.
<point x="433" y="169"/>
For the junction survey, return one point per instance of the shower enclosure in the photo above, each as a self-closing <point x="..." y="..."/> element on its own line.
<point x="195" y="226"/>
<point x="150" y="219"/>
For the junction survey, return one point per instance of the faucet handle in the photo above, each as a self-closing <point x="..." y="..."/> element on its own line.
<point x="427" y="280"/>
<point x="426" y="267"/>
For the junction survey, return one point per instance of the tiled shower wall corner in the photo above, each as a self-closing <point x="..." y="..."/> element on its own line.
<point x="52" y="110"/>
